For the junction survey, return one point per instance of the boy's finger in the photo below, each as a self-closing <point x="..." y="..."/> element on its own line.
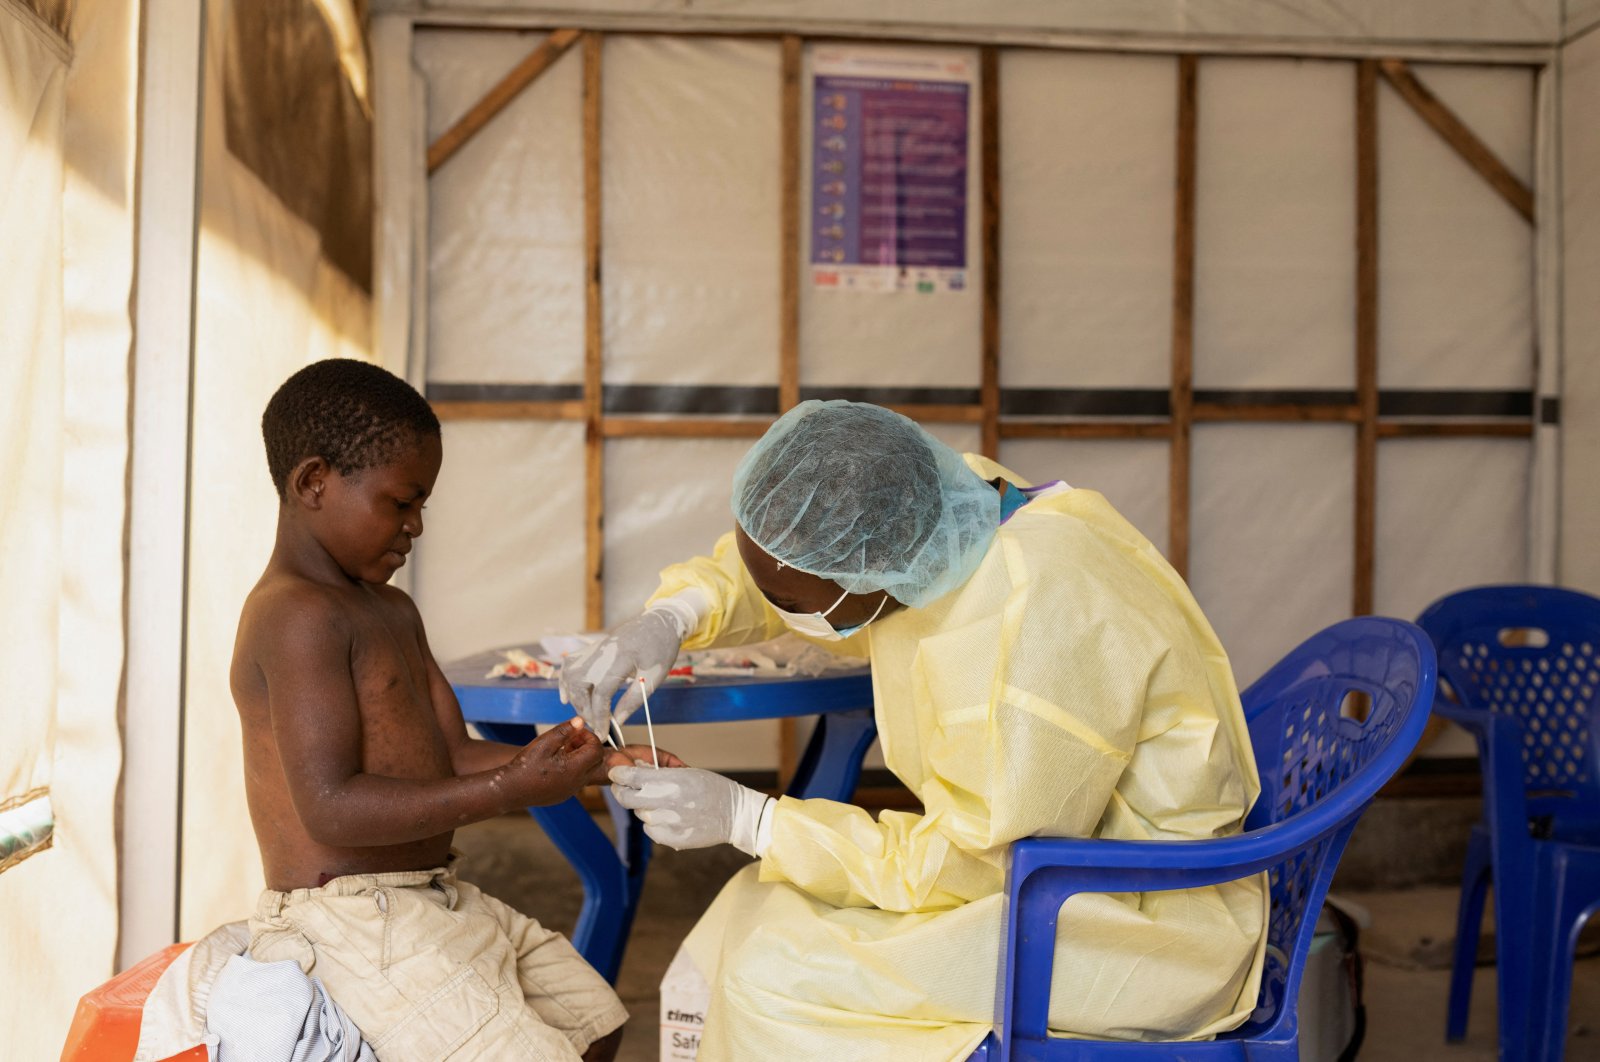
<point x="557" y="734"/>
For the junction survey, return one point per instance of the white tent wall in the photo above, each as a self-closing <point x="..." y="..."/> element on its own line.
<point x="267" y="303"/>
<point x="66" y="247"/>
<point x="689" y="244"/>
<point x="1327" y="24"/>
<point x="1580" y="383"/>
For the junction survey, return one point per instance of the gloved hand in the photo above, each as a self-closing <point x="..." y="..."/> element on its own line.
<point x="643" y="647"/>
<point x="686" y="807"/>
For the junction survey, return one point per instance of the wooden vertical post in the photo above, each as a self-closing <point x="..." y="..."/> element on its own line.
<point x="989" y="385"/>
<point x="593" y="439"/>
<point x="1182" y="387"/>
<point x="789" y="307"/>
<point x="789" y="231"/>
<point x="1366" y="333"/>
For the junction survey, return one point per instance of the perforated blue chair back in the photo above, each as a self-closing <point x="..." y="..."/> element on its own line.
<point x="1320" y="716"/>
<point x="1520" y="669"/>
<point x="1330" y="723"/>
<point x="1531" y="653"/>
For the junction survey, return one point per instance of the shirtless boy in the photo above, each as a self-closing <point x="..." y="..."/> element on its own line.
<point x="358" y="765"/>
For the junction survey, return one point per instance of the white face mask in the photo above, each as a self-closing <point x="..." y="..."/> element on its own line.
<point x="816" y="625"/>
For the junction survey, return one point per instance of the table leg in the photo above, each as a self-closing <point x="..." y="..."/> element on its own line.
<point x="831" y="765"/>
<point x="612" y="876"/>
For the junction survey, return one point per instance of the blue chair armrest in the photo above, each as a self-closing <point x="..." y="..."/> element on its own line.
<point x="1231" y="857"/>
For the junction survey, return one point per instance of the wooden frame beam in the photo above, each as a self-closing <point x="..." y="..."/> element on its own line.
<point x="499" y="98"/>
<point x="789" y="229"/>
<point x="494" y="410"/>
<point x="989" y="369"/>
<point x="1455" y="133"/>
<point x="1366" y="352"/>
<point x="1084" y="429"/>
<point x="1182" y="386"/>
<point x="683" y="427"/>
<point x="593" y="442"/>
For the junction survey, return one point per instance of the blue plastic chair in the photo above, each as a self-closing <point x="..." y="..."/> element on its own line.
<point x="1320" y="766"/>
<point x="1523" y="665"/>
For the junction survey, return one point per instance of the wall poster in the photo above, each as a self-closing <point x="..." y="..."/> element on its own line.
<point x="889" y="157"/>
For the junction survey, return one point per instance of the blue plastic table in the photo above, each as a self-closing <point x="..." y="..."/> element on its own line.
<point x="613" y="875"/>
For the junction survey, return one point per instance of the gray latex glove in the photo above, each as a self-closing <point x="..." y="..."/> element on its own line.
<point x="686" y="807"/>
<point x="644" y="647"/>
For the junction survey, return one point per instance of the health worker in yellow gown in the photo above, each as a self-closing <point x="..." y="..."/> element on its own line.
<point x="1038" y="669"/>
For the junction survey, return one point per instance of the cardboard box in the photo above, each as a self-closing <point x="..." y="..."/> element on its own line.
<point x="685" y="995"/>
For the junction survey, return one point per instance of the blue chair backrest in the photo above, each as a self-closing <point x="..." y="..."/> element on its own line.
<point x="1318" y="747"/>
<point x="1531" y="653"/>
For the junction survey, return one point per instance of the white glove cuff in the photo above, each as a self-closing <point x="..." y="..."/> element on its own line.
<point x="688" y="609"/>
<point x="749" y="809"/>
<point x="764" y="828"/>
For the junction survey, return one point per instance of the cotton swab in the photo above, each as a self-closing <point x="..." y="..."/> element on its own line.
<point x="644" y="689"/>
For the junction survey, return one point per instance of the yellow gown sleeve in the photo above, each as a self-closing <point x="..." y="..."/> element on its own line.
<point x="739" y="613"/>
<point x="1027" y="710"/>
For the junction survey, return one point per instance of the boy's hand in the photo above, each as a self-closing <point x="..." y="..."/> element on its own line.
<point x="630" y="756"/>
<point x="555" y="765"/>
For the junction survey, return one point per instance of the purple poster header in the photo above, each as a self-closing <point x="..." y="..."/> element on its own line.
<point x="889" y="183"/>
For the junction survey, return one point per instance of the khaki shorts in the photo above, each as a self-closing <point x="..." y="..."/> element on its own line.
<point x="428" y="968"/>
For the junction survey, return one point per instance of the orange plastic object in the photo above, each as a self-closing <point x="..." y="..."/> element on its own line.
<point x="106" y="1026"/>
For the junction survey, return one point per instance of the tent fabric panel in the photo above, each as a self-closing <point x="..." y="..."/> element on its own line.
<point x="1271" y="557"/>
<point x="1275" y="223"/>
<point x="1086" y="235"/>
<point x="1579" y="16"/>
<point x="690" y="210"/>
<point x="505" y="247"/>
<point x="500" y="559"/>
<point x="666" y="500"/>
<point x="962" y="438"/>
<point x="66" y="239"/>
<point x="32" y="125"/>
<point x="1579" y="563"/>
<point x="1456" y="262"/>
<point x="900" y="338"/>
<point x="1451" y="514"/>
<point x="1352" y="21"/>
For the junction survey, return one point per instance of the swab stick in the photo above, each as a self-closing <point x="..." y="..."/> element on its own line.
<point x="649" y="726"/>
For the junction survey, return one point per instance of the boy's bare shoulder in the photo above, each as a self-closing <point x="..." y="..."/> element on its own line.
<point x="283" y="613"/>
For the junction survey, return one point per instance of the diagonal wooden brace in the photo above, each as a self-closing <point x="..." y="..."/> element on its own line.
<point x="1458" y="136"/>
<point x="498" y="98"/>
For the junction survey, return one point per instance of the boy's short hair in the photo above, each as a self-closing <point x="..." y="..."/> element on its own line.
<point x="350" y="413"/>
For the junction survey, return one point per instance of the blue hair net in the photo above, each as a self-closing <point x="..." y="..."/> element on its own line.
<point x="860" y="495"/>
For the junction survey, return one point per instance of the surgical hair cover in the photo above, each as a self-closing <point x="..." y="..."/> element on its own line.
<point x="862" y="496"/>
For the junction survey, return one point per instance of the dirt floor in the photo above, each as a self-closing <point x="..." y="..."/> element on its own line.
<point x="1407" y="945"/>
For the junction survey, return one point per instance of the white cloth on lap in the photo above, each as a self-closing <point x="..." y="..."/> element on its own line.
<point x="273" y="1012"/>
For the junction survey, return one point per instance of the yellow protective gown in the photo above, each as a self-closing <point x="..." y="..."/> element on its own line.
<point x="1070" y="688"/>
